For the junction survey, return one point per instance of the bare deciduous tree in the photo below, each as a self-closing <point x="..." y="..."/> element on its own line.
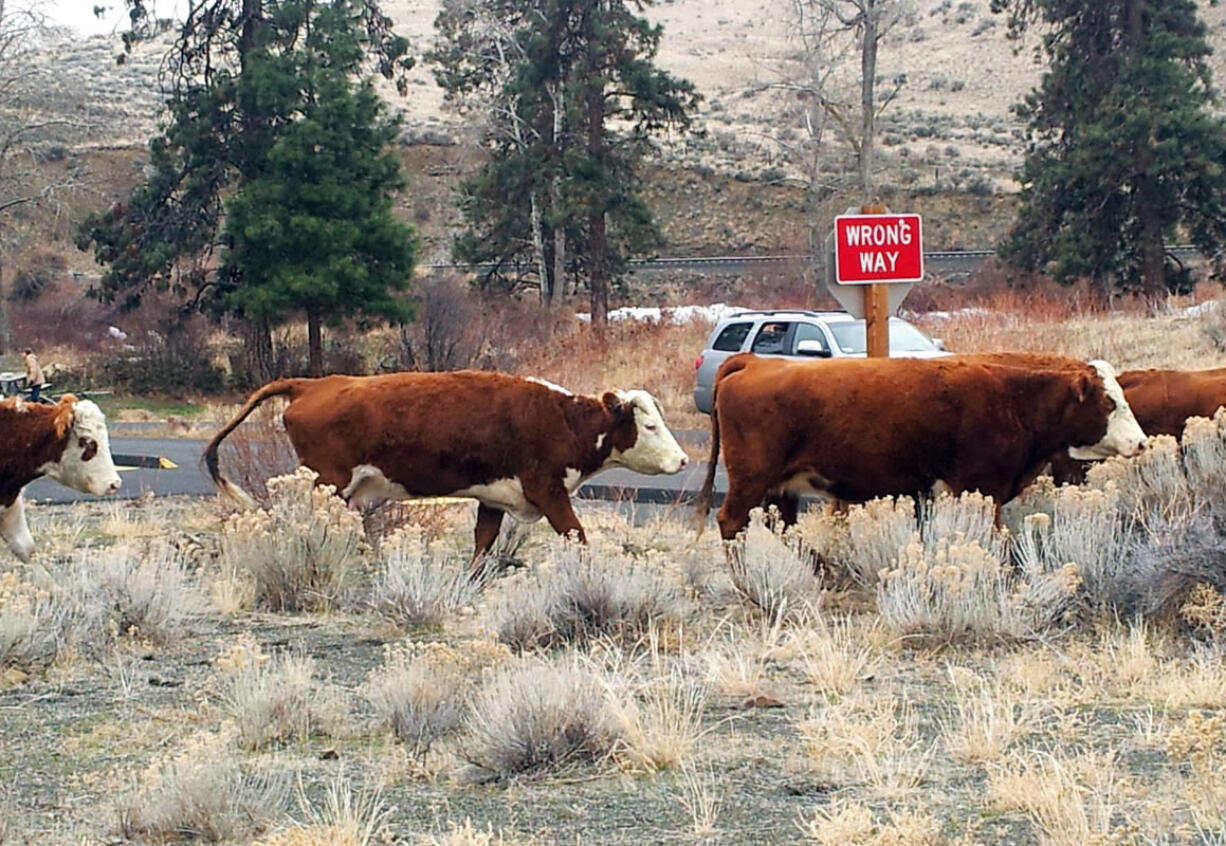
<point x="832" y="34"/>
<point x="26" y="133"/>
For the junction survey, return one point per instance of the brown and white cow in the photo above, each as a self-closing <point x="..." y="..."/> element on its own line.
<point x="518" y="446"/>
<point x="855" y="429"/>
<point x="1162" y="401"/>
<point x="67" y="442"/>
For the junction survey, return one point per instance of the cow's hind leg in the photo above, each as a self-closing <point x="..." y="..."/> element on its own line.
<point x="15" y="531"/>
<point x="489" y="522"/>
<point x="738" y="502"/>
<point x="788" y="506"/>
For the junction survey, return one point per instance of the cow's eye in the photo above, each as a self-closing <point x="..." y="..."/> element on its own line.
<point x="89" y="448"/>
<point x="650" y="427"/>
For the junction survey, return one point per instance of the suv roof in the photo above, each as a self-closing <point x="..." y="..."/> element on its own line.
<point x="836" y="316"/>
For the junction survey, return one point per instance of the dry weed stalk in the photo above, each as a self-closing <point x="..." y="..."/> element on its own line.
<point x="834" y="657"/>
<point x="345" y="818"/>
<point x="848" y="824"/>
<point x="985" y="724"/>
<point x="1073" y="800"/>
<point x="877" y="744"/>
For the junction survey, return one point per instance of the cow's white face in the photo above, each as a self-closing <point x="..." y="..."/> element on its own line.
<point x="86" y="464"/>
<point x="655" y="449"/>
<point x="1124" y="435"/>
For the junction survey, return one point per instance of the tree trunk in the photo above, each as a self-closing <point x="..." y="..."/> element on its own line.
<point x="5" y="330"/>
<point x="538" y="250"/>
<point x="558" y="292"/>
<point x="257" y="351"/>
<point x="597" y="237"/>
<point x="1153" y="252"/>
<point x="315" y="343"/>
<point x="868" y="77"/>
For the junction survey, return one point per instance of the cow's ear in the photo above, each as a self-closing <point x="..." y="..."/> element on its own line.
<point x="1084" y="387"/>
<point x="616" y="405"/>
<point x="65" y="413"/>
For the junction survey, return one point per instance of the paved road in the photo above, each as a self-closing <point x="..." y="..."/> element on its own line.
<point x="188" y="478"/>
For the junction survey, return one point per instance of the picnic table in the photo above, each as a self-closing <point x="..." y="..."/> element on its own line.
<point x="11" y="382"/>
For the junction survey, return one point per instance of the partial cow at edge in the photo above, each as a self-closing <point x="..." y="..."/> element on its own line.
<point x="67" y="442"/>
<point x="1162" y="401"/>
<point x="518" y="446"/>
<point x="853" y="430"/>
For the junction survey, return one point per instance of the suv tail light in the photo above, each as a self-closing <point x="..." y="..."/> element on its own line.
<point x="698" y="362"/>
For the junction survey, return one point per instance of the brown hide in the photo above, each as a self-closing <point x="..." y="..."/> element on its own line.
<point x="1162" y="401"/>
<point x="859" y="429"/>
<point x="439" y="433"/>
<point x="31" y="435"/>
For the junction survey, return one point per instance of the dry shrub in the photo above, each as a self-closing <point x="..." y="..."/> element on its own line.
<point x="280" y="701"/>
<point x="538" y="717"/>
<point x="468" y="834"/>
<point x="88" y="602"/>
<point x="848" y="824"/>
<point x="579" y="593"/>
<point x="298" y="550"/>
<point x="37" y="622"/>
<point x="876" y="532"/>
<point x="960" y="590"/>
<point x="147" y="592"/>
<point x="201" y="793"/>
<point x="417" y="585"/>
<point x="769" y="570"/>
<point x="418" y="693"/>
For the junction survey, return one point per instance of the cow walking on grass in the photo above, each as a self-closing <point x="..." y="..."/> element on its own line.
<point x="67" y="442"/>
<point x="853" y="430"/>
<point x="518" y="446"/>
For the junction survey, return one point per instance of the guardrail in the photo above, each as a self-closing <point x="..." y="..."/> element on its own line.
<point x="698" y="262"/>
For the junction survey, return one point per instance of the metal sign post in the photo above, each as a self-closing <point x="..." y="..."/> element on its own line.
<point x="880" y="253"/>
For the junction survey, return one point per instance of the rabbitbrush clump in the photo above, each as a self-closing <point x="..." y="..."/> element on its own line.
<point x="300" y="549"/>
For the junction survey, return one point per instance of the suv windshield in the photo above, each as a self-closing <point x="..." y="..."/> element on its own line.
<point x="903" y="337"/>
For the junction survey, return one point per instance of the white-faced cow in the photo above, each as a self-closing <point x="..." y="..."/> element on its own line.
<point x="858" y="429"/>
<point x="67" y="442"/>
<point x="1162" y="401"/>
<point x="518" y="446"/>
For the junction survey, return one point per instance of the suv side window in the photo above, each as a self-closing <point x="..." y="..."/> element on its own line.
<point x="809" y="332"/>
<point x="732" y="336"/>
<point x="770" y="338"/>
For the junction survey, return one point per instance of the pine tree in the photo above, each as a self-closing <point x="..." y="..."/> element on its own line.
<point x="314" y="230"/>
<point x="560" y="190"/>
<point x="1125" y="154"/>
<point x="218" y="136"/>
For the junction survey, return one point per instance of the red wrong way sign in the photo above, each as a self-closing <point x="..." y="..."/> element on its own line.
<point x="871" y="248"/>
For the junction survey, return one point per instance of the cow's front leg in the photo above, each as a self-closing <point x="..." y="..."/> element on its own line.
<point x="15" y="531"/>
<point x="553" y="500"/>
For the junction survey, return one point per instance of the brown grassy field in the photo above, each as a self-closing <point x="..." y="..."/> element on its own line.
<point x="174" y="671"/>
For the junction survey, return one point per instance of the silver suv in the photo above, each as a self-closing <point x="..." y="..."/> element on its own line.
<point x="799" y="333"/>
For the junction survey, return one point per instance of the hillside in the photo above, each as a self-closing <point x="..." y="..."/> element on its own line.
<point x="949" y="132"/>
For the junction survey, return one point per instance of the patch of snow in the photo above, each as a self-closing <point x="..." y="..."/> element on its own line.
<point x="675" y="315"/>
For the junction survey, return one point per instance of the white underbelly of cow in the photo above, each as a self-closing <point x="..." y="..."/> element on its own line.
<point x="807" y="482"/>
<point x="369" y="486"/>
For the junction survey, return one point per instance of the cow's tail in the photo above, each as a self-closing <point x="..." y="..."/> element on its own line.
<point x="281" y="387"/>
<point x="706" y="494"/>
